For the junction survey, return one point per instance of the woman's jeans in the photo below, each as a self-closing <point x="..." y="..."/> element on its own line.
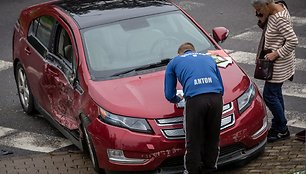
<point x="273" y="98"/>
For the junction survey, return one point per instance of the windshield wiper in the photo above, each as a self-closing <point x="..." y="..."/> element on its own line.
<point x="144" y="67"/>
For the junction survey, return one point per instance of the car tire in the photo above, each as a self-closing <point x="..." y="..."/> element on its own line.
<point x="88" y="146"/>
<point x="25" y="95"/>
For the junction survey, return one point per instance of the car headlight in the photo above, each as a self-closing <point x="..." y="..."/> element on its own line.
<point x="245" y="100"/>
<point x="133" y="124"/>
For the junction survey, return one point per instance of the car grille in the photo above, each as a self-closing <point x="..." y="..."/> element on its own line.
<point x="174" y="161"/>
<point x="172" y="133"/>
<point x="225" y="153"/>
<point x="232" y="149"/>
<point x="228" y="120"/>
<point x="170" y="121"/>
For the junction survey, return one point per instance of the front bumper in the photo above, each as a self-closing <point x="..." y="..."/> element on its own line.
<point x="163" y="151"/>
<point x="153" y="148"/>
<point x="240" y="155"/>
<point x="161" y="155"/>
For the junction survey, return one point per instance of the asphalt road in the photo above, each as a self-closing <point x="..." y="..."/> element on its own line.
<point x="236" y="15"/>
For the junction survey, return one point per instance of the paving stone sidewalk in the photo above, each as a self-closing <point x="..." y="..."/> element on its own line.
<point x="287" y="156"/>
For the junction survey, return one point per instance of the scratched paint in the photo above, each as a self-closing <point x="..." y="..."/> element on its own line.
<point x="240" y="135"/>
<point x="167" y="153"/>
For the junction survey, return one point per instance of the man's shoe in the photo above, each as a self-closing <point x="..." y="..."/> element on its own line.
<point x="276" y="136"/>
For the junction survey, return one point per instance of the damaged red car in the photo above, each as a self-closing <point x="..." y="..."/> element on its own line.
<point x="95" y="69"/>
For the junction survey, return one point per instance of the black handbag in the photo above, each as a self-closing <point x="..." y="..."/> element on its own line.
<point x="264" y="67"/>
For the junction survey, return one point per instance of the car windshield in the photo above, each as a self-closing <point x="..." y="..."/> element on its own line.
<point x="124" y="45"/>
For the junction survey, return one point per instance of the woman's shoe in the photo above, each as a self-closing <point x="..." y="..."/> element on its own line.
<point x="276" y="136"/>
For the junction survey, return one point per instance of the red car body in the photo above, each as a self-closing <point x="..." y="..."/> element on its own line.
<point x="68" y="95"/>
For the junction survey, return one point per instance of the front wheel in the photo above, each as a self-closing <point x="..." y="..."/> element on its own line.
<point x="24" y="92"/>
<point x="90" y="148"/>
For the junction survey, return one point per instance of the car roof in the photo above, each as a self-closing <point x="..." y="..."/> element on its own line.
<point x="88" y="13"/>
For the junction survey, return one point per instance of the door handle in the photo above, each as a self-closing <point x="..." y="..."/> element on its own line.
<point x="27" y="50"/>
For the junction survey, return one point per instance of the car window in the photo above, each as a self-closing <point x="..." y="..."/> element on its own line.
<point x="63" y="46"/>
<point x="33" y="27"/>
<point x="139" y="41"/>
<point x="44" y="29"/>
<point x="39" y="33"/>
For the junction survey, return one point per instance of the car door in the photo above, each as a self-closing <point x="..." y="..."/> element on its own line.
<point x="34" y="51"/>
<point x="58" y="78"/>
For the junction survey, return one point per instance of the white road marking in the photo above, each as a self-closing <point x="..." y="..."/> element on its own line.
<point x="294" y="89"/>
<point x="298" y="21"/>
<point x="249" y="36"/>
<point x="188" y="5"/>
<point x="249" y="58"/>
<point x="294" y="118"/>
<point x="289" y="88"/>
<point x="31" y="141"/>
<point x="5" y="131"/>
<point x="255" y="36"/>
<point x="4" y="65"/>
<point x="302" y="42"/>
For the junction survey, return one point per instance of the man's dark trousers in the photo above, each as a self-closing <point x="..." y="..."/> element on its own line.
<point x="203" y="119"/>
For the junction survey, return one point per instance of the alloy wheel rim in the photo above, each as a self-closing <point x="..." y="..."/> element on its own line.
<point x="23" y="88"/>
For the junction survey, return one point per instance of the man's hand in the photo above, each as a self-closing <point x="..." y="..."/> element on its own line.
<point x="180" y="96"/>
<point x="180" y="104"/>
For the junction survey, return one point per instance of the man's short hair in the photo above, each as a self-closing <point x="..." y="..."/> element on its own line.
<point x="187" y="46"/>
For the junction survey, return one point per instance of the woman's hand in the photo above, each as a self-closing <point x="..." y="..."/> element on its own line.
<point x="272" y="56"/>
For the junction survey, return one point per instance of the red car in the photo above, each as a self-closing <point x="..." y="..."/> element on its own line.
<point x="95" y="69"/>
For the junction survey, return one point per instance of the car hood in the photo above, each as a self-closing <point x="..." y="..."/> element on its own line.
<point x="143" y="95"/>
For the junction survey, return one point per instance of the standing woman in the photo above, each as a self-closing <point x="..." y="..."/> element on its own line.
<point x="280" y="38"/>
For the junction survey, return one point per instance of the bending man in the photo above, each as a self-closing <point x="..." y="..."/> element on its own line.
<point x="203" y="89"/>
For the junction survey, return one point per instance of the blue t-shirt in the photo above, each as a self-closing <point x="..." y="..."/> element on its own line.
<point x="197" y="73"/>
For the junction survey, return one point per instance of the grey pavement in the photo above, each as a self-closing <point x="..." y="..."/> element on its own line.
<point x="283" y="157"/>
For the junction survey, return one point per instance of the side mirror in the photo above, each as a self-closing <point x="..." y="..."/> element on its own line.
<point x="220" y="34"/>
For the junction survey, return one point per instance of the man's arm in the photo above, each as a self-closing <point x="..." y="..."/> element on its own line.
<point x="170" y="85"/>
